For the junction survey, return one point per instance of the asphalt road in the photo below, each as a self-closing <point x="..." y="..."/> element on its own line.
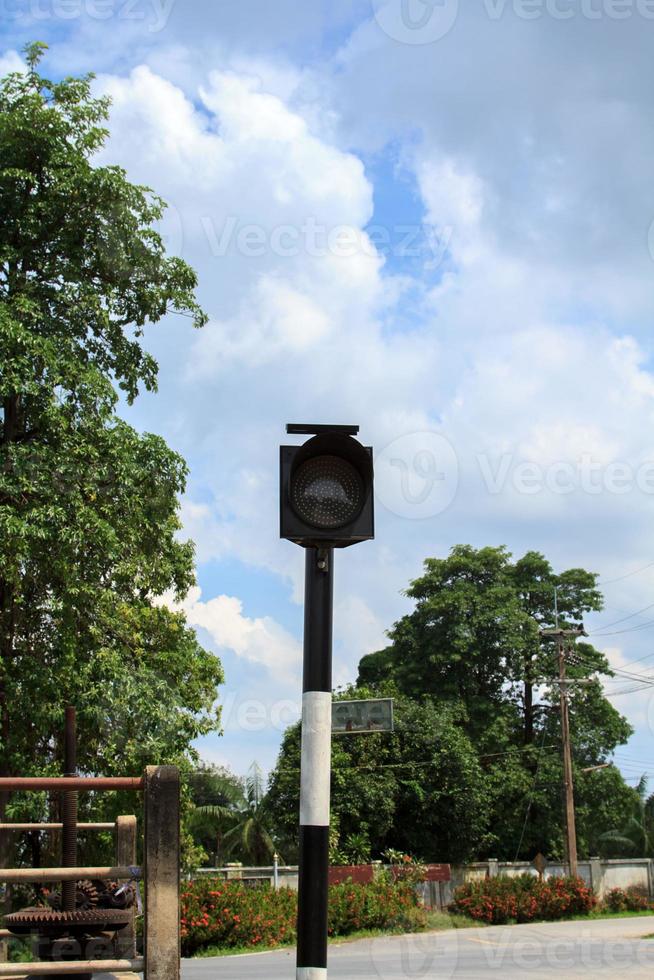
<point x="605" y="948"/>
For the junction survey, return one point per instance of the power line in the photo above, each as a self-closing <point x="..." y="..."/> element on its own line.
<point x="531" y="795"/>
<point x="617" y="622"/>
<point x="631" y="690"/>
<point x="583" y="661"/>
<point x="639" y="659"/>
<point x="621" y="578"/>
<point x="630" y="629"/>
<point x="421" y="764"/>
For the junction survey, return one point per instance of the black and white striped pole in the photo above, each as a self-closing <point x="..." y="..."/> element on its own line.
<point x="326" y="502"/>
<point x="315" y="765"/>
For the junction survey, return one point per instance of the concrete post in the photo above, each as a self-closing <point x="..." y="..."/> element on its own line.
<point x="126" y="857"/>
<point x="596" y="875"/>
<point x="493" y="867"/>
<point x="161" y="869"/>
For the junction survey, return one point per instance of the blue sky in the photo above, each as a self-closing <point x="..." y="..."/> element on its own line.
<point x="436" y="224"/>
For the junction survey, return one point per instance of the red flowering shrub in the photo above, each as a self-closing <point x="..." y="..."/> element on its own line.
<point x="523" y="899"/>
<point x="631" y="899"/>
<point x="379" y="905"/>
<point x="228" y="914"/>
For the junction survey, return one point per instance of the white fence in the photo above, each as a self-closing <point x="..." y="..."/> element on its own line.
<point x="601" y="875"/>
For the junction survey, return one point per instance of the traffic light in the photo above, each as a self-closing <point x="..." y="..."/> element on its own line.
<point x="326" y="488"/>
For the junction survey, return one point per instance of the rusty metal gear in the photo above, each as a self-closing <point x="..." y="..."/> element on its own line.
<point x="48" y="922"/>
<point x="87" y="895"/>
<point x="118" y="896"/>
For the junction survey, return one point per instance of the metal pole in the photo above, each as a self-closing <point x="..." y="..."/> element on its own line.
<point x="571" y="830"/>
<point x="315" y="766"/>
<point x="126" y="856"/>
<point x="69" y="811"/>
<point x="87" y="784"/>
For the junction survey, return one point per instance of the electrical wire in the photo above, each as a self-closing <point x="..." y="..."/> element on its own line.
<point x="618" y="671"/>
<point x="621" y="578"/>
<point x="624" y="619"/>
<point x="639" y="659"/>
<point x="426" y="763"/>
<point x="531" y="796"/>
<point x="630" y="629"/>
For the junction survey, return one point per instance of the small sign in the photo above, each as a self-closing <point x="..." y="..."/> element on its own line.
<point x="362" y="717"/>
<point x="540" y="863"/>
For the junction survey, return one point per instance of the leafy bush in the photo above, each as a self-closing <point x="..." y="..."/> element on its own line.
<point x="631" y="899"/>
<point x="523" y="899"/>
<point x="379" y="905"/>
<point x="404" y="867"/>
<point x="228" y="914"/>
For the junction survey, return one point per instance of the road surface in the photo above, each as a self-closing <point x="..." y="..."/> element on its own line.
<point x="599" y="948"/>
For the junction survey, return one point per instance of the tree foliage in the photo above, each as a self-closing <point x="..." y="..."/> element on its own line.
<point x="472" y="644"/>
<point x="419" y="789"/>
<point x="231" y="817"/>
<point x="88" y="506"/>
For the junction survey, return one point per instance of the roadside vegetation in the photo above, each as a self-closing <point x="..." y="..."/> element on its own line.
<point x="222" y="917"/>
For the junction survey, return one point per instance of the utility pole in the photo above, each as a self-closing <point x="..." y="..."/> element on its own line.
<point x="568" y="782"/>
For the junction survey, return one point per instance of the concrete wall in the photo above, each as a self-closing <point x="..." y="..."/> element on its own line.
<point x="287" y="875"/>
<point x="601" y="875"/>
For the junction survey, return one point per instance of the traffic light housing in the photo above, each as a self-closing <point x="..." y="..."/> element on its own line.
<point x="326" y="488"/>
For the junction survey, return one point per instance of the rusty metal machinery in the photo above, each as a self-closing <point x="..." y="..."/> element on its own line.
<point x="83" y="912"/>
<point x="51" y="924"/>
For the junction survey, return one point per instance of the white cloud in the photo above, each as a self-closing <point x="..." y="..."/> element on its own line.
<point x="11" y="61"/>
<point x="260" y="641"/>
<point x="533" y="155"/>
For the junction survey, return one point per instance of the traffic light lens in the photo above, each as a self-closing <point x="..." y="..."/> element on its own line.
<point x="327" y="492"/>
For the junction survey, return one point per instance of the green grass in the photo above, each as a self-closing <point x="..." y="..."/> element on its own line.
<point x="608" y="914"/>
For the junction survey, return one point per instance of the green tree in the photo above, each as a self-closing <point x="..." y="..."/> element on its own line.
<point x="239" y="819"/>
<point x="215" y="795"/>
<point x="472" y="644"/>
<point x="635" y="838"/>
<point x="473" y="636"/>
<point x="419" y="789"/>
<point x="88" y="507"/>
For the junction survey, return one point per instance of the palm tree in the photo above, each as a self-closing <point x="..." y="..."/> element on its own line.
<point x="218" y="795"/>
<point x="245" y="823"/>
<point x="637" y="836"/>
